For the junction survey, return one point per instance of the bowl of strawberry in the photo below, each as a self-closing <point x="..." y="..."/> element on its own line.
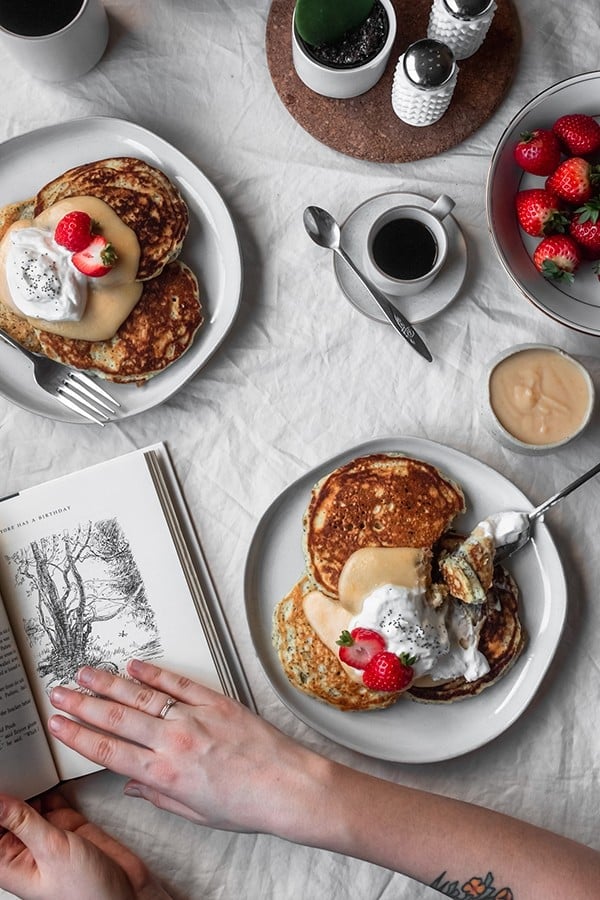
<point x="543" y="202"/>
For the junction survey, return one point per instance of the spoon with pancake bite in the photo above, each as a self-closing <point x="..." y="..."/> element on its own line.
<point x="325" y="231"/>
<point x="514" y="529"/>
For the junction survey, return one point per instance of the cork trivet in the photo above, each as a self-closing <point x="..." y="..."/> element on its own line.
<point x="366" y="127"/>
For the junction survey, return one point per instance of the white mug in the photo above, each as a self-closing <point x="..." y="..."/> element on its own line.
<point x="63" y="54"/>
<point x="407" y="247"/>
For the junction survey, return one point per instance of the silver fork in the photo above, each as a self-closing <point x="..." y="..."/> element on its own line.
<point x="75" y="390"/>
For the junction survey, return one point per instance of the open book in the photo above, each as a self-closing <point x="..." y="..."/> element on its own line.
<point x="97" y="567"/>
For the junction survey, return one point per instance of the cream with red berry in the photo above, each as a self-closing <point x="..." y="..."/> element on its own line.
<point x="389" y="627"/>
<point x="72" y="269"/>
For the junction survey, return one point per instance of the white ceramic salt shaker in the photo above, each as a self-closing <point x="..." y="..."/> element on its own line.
<point x="461" y="24"/>
<point x="424" y="81"/>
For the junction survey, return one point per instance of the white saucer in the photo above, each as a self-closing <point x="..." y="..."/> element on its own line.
<point x="416" y="307"/>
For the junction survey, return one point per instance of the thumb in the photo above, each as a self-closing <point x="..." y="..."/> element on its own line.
<point x="25" y="823"/>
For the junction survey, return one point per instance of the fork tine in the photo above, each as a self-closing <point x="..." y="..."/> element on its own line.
<point x="67" y="390"/>
<point x="93" y="386"/>
<point x="75" y="407"/>
<point x="82" y="386"/>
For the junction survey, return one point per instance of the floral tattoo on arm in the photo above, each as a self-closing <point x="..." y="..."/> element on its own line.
<point x="481" y="888"/>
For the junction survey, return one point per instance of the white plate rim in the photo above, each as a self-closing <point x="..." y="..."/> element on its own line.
<point x="112" y="136"/>
<point x="421" y="733"/>
<point x="503" y="148"/>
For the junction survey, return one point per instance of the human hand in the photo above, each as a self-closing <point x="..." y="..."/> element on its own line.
<point x="49" y="850"/>
<point x="210" y="759"/>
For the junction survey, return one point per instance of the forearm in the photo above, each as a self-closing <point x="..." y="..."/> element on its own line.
<point x="433" y="839"/>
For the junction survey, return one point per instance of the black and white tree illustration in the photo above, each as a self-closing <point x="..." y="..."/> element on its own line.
<point x="89" y="598"/>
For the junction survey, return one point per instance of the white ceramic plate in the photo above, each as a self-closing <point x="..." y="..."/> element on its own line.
<point x="416" y="307"/>
<point x="576" y="305"/>
<point x="211" y="247"/>
<point x="412" y="732"/>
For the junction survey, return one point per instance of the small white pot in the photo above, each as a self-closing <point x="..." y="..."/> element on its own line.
<point x="343" y="83"/>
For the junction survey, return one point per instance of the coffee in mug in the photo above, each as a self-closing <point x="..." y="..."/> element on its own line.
<point x="407" y="247"/>
<point x="55" y="40"/>
<point x="34" y="18"/>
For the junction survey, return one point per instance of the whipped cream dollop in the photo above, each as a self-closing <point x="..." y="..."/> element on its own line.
<point x="504" y="527"/>
<point x="42" y="280"/>
<point x="443" y="640"/>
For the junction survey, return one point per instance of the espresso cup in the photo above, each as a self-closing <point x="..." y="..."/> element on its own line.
<point x="54" y="41"/>
<point x="407" y="247"/>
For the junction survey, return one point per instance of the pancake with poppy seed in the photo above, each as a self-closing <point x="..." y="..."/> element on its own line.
<point x="310" y="665"/>
<point x="141" y="195"/>
<point x="157" y="332"/>
<point x="380" y="500"/>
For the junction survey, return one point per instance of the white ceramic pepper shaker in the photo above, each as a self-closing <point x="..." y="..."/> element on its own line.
<point x="424" y="81"/>
<point x="461" y="24"/>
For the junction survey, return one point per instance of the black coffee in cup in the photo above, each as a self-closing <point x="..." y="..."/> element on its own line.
<point x="404" y="248"/>
<point x="34" y="18"/>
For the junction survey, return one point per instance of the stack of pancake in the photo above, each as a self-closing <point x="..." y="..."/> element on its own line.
<point x="387" y="500"/>
<point x="163" y="323"/>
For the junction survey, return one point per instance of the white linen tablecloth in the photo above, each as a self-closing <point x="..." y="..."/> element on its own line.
<point x="303" y="376"/>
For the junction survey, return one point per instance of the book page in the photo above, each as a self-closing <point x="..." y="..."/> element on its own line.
<point x="26" y="766"/>
<point x="90" y="575"/>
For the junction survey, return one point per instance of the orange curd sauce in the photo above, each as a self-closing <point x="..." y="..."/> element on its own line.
<point x="111" y="297"/>
<point x="539" y="395"/>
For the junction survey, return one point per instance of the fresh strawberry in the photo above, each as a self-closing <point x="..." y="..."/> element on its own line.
<point x="579" y="134"/>
<point x="573" y="180"/>
<point x="557" y="257"/>
<point x="74" y="231"/>
<point x="388" y="672"/>
<point x="585" y="228"/>
<point x="359" y="646"/>
<point x="96" y="259"/>
<point x="538" y="212"/>
<point x="538" y="152"/>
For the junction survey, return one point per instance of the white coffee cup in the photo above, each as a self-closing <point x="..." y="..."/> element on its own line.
<point x="63" y="54"/>
<point x="407" y="246"/>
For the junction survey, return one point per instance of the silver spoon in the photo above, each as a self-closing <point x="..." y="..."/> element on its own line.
<point x="518" y="527"/>
<point x="325" y="231"/>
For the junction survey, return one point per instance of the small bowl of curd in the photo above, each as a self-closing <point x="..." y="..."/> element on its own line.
<point x="537" y="398"/>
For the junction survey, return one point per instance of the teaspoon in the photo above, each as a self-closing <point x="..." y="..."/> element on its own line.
<point x="514" y="529"/>
<point x="325" y="231"/>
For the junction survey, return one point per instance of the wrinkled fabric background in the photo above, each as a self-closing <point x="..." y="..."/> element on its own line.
<point x="303" y="376"/>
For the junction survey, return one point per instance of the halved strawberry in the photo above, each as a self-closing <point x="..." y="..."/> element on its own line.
<point x="578" y="133"/>
<point x="388" y="672"/>
<point x="585" y="228"/>
<point x="538" y="212"/>
<point x="538" y="151"/>
<point x="74" y="231"/>
<point x="573" y="180"/>
<point x="97" y="259"/>
<point x="359" y="646"/>
<point x="557" y="257"/>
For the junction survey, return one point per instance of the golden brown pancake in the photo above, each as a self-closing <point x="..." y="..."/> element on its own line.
<point x="141" y="195"/>
<point x="310" y="666"/>
<point x="17" y="327"/>
<point x="501" y="641"/>
<point x="381" y="500"/>
<point x="158" y="331"/>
